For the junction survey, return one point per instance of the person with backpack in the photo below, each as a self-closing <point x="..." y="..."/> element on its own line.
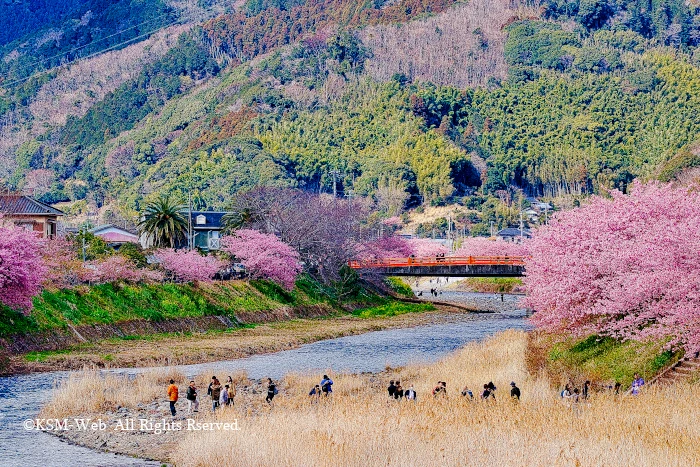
<point x="391" y="389"/>
<point x="440" y="389"/>
<point x="486" y="392"/>
<point x="586" y="387"/>
<point x="191" y="396"/>
<point x="172" y="396"/>
<point x="215" y="393"/>
<point x="566" y="393"/>
<point x="271" y="391"/>
<point x="492" y="388"/>
<point x="326" y="385"/>
<point x="410" y="394"/>
<point x="514" y="391"/>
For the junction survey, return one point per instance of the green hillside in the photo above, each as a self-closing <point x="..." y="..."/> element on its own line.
<point x="564" y="98"/>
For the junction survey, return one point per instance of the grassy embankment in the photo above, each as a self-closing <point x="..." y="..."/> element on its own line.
<point x="359" y="426"/>
<point x="489" y="285"/>
<point x="246" y="305"/>
<point x="604" y="361"/>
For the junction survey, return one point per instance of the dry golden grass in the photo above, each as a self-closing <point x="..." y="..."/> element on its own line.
<point x="359" y="426"/>
<point x="89" y="392"/>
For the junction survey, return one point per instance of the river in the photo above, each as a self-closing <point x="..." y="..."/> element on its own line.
<point x="21" y="396"/>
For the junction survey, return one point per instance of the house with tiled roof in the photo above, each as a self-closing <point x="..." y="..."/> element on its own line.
<point x="31" y="214"/>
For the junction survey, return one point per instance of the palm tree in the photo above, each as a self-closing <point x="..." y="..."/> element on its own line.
<point x="163" y="221"/>
<point x="238" y="218"/>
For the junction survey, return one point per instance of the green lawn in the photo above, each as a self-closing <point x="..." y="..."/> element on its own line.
<point x="112" y="303"/>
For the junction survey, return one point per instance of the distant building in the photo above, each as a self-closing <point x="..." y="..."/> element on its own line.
<point x="207" y="230"/>
<point x="30" y="214"/>
<point x="532" y="215"/>
<point x="114" y="236"/>
<point x="513" y="234"/>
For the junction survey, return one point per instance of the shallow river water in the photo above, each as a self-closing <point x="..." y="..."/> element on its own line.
<point x="21" y="396"/>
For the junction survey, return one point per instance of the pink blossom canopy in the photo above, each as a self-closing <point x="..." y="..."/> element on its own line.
<point x="264" y="256"/>
<point x="628" y="267"/>
<point x="188" y="266"/>
<point x="21" y="268"/>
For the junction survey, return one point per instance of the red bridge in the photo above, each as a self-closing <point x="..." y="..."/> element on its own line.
<point x="452" y="266"/>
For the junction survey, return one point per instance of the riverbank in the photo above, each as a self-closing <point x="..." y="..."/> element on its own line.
<point x="358" y="425"/>
<point x="267" y="322"/>
<point x="158" y="324"/>
<point x="182" y="349"/>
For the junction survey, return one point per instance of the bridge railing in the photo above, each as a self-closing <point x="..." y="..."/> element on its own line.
<point x="438" y="261"/>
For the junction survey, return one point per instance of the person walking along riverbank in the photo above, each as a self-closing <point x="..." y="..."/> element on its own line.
<point x="326" y="385"/>
<point x="231" y="390"/>
<point x="191" y="396"/>
<point x="514" y="391"/>
<point x="215" y="393"/>
<point x="271" y="391"/>
<point x="172" y="396"/>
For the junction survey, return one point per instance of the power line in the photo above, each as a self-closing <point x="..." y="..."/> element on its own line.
<point x="115" y="46"/>
<point x="28" y="65"/>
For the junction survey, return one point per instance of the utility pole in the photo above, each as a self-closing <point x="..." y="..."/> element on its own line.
<point x="189" y="221"/>
<point x="521" y="225"/>
<point x="335" y="173"/>
<point x="449" y="232"/>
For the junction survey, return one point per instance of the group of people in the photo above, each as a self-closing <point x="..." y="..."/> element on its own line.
<point x="396" y="391"/>
<point x="440" y="390"/>
<point x="223" y="395"/>
<point x="325" y="387"/>
<point x="220" y="396"/>
<point x="575" y="395"/>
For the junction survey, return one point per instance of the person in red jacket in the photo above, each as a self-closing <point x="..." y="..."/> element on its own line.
<point x="172" y="396"/>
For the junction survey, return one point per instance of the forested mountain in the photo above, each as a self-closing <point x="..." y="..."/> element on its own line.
<point x="405" y="101"/>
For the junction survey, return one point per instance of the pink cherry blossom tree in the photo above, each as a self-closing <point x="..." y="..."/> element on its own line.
<point x="482" y="246"/>
<point x="425" y="248"/>
<point x="21" y="268"/>
<point x="63" y="266"/>
<point x="624" y="266"/>
<point x="389" y="246"/>
<point x="188" y="266"/>
<point x="116" y="268"/>
<point x="264" y="256"/>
